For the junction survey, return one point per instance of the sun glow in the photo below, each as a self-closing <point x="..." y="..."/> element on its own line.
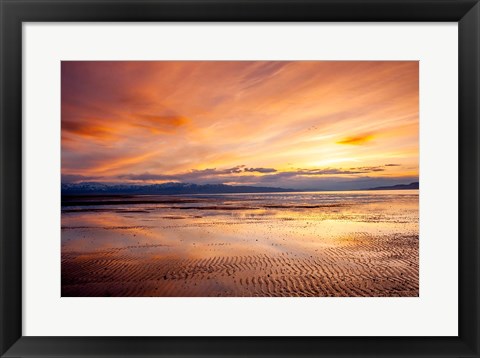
<point x="197" y="121"/>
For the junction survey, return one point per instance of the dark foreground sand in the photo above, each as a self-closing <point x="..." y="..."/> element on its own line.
<point x="358" y="266"/>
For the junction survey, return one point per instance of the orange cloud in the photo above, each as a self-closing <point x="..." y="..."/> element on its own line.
<point x="356" y="140"/>
<point x="171" y="117"/>
<point x="159" y="124"/>
<point x="90" y="129"/>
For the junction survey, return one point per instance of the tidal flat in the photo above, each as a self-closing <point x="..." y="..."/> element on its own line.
<point x="318" y="244"/>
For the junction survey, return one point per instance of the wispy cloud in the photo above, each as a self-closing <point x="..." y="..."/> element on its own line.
<point x="356" y="140"/>
<point x="196" y="120"/>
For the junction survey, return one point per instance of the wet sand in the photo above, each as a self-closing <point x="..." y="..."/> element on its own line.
<point x="346" y="244"/>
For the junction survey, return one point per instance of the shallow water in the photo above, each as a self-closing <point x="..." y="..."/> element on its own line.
<point x="203" y="245"/>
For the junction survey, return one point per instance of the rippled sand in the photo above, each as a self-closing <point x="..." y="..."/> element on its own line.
<point x="288" y="244"/>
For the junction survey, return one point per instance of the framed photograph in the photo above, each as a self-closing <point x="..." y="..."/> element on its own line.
<point x="239" y="178"/>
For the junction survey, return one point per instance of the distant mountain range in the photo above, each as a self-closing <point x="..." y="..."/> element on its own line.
<point x="397" y="187"/>
<point x="91" y="188"/>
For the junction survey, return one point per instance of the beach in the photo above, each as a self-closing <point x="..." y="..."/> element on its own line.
<point x="305" y="244"/>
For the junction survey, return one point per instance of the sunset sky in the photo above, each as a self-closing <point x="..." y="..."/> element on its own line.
<point x="301" y="125"/>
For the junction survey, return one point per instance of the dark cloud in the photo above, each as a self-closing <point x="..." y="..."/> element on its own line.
<point x="71" y="178"/>
<point x="215" y="171"/>
<point x="191" y="176"/>
<point x="213" y="175"/>
<point x="392" y="165"/>
<point x="368" y="169"/>
<point x="146" y="177"/>
<point x="335" y="171"/>
<point x="260" y="170"/>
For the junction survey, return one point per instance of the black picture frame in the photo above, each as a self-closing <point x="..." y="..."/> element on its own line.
<point x="15" y="12"/>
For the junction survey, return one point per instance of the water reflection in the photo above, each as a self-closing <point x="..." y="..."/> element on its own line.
<point x="346" y="231"/>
